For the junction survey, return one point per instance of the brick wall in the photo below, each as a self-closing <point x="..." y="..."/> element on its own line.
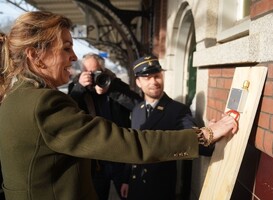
<point x="220" y="80"/>
<point x="264" y="123"/>
<point x="264" y="134"/>
<point x="260" y="7"/>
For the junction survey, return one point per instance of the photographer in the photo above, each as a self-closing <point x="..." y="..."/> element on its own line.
<point x="99" y="92"/>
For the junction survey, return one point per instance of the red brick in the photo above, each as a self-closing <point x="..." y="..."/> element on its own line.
<point x="211" y="103"/>
<point x="219" y="115"/>
<point x="209" y="110"/>
<point x="261" y="7"/>
<point x="270" y="70"/>
<point x="212" y="114"/>
<point x="268" y="142"/>
<point x="264" y="120"/>
<point x="215" y="72"/>
<point x="220" y="94"/>
<point x="220" y="83"/>
<point x="259" y="139"/>
<point x="228" y="72"/>
<point x="210" y="92"/>
<point x="212" y="82"/>
<point x="271" y="123"/>
<point x="267" y="105"/>
<point x="268" y="89"/>
<point x="220" y="105"/>
<point x="228" y="83"/>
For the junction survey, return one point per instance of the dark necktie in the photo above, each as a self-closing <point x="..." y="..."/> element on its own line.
<point x="149" y="110"/>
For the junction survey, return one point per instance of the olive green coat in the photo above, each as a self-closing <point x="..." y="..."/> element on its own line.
<point x="46" y="142"/>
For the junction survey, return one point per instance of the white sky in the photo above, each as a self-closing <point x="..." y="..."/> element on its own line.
<point x="9" y="12"/>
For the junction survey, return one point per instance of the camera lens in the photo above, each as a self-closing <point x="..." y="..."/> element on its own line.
<point x="103" y="80"/>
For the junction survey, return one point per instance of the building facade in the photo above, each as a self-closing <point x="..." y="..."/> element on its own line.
<point x="204" y="42"/>
<point x="200" y="43"/>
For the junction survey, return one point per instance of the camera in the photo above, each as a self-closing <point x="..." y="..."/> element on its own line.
<point x="101" y="79"/>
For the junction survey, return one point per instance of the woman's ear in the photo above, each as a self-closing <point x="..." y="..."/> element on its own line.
<point x="34" y="58"/>
<point x="31" y="54"/>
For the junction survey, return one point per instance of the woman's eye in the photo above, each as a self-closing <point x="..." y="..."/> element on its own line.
<point x="67" y="48"/>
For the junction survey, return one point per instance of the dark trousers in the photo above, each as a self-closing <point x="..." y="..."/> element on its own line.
<point x="2" y="196"/>
<point x="102" y="176"/>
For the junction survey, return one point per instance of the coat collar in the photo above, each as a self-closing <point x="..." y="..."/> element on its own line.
<point x="164" y="100"/>
<point x="157" y="113"/>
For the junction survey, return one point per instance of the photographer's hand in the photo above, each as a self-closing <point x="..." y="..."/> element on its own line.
<point x="100" y="90"/>
<point x="85" y="79"/>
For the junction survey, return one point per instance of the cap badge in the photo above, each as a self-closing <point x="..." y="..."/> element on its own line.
<point x="147" y="58"/>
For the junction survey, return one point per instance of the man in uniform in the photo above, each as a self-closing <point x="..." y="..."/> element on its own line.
<point x="158" y="111"/>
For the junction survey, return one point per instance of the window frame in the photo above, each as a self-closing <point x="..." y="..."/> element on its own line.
<point x="233" y="21"/>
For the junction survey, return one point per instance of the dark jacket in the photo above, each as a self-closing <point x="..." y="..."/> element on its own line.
<point x="115" y="105"/>
<point x="158" y="181"/>
<point x="118" y="91"/>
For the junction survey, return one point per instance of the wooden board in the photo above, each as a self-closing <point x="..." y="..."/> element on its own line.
<point x="228" y="154"/>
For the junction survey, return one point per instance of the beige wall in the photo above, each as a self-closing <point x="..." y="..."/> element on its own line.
<point x="177" y="43"/>
<point x="205" y="24"/>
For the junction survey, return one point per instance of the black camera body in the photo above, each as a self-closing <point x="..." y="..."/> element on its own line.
<point x="101" y="79"/>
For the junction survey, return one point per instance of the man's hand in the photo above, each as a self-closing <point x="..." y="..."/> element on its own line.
<point x="85" y="79"/>
<point x="124" y="190"/>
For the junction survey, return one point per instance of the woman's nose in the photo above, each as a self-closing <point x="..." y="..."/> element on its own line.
<point x="74" y="57"/>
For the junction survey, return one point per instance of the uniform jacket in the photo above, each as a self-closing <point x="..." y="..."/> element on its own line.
<point x="46" y="142"/>
<point x="158" y="181"/>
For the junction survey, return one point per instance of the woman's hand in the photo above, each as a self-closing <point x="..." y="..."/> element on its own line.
<point x="225" y="126"/>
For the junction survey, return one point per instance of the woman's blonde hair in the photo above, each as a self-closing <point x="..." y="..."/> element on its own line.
<point x="36" y="30"/>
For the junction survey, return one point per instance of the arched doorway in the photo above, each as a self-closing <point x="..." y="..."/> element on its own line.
<point x="182" y="47"/>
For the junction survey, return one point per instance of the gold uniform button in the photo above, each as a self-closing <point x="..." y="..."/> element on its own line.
<point x="134" y="177"/>
<point x="144" y="181"/>
<point x="145" y="170"/>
